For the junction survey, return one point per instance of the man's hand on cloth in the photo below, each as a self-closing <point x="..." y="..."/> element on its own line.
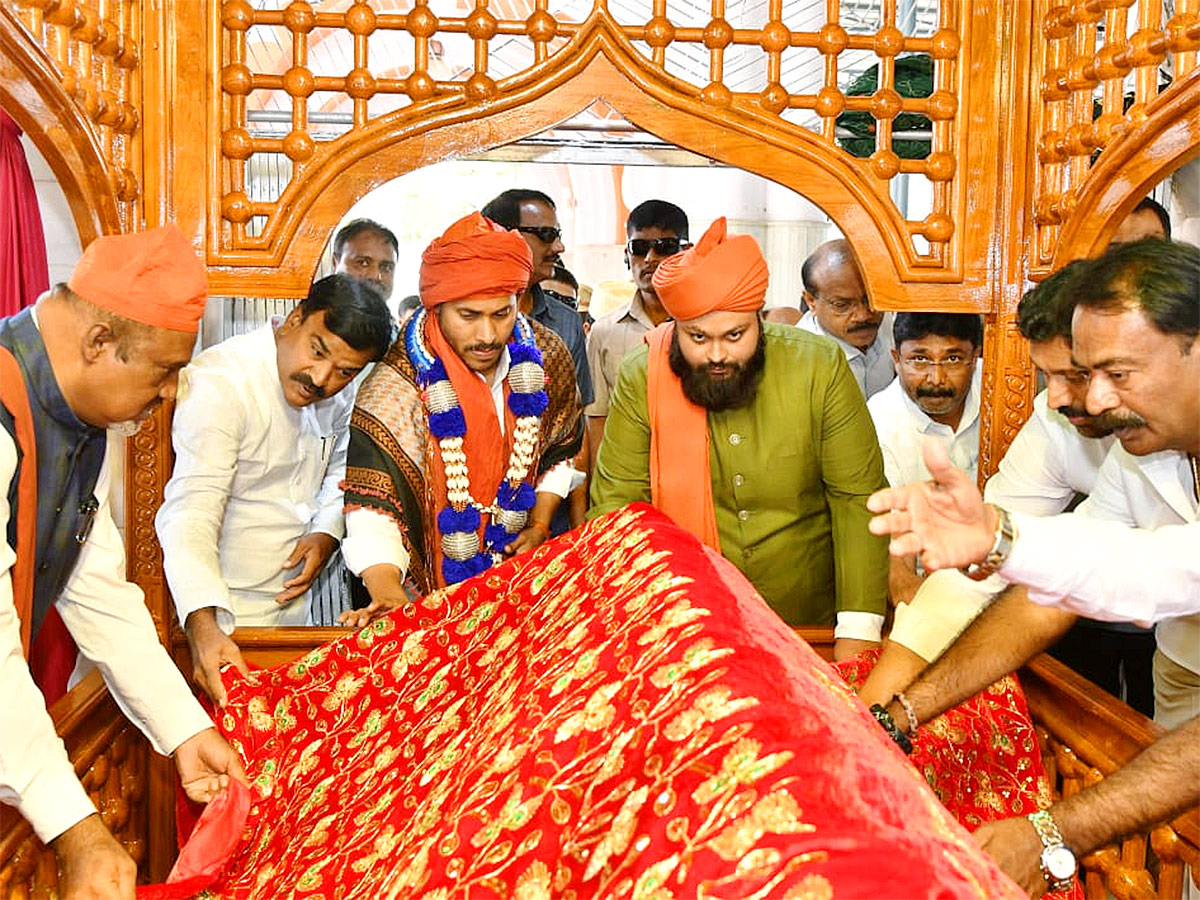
<point x="944" y="520"/>
<point x="385" y="584"/>
<point x="314" y="551"/>
<point x="1015" y="847"/>
<point x="211" y="649"/>
<point x="206" y="762"/>
<point x="92" y="864"/>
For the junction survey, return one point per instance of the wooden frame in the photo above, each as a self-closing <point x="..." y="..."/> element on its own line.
<point x="127" y="154"/>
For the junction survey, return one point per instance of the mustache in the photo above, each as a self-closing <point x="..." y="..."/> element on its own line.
<point x="483" y="348"/>
<point x="1115" y="420"/>
<point x="927" y="391"/>
<point x="865" y="326"/>
<point x="302" y="378"/>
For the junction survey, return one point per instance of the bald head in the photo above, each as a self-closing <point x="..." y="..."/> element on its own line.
<point x="834" y="289"/>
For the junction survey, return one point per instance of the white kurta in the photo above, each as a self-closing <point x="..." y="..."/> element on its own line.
<point x="108" y="619"/>
<point x="901" y="427"/>
<point x="1047" y="464"/>
<point x="252" y="476"/>
<point x="873" y="370"/>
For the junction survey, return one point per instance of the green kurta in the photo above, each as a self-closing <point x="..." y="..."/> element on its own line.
<point x="790" y="473"/>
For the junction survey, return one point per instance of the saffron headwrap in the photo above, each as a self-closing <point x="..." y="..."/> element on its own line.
<point x="722" y="272"/>
<point x="474" y="258"/>
<point x="153" y="277"/>
<point x="719" y="274"/>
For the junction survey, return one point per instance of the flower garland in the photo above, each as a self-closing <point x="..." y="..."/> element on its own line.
<point x="459" y="521"/>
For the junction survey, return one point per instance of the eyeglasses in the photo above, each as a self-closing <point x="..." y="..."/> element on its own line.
<point x="843" y="307"/>
<point x="547" y="234"/>
<point x="87" y="509"/>
<point x="923" y="364"/>
<point x="661" y="246"/>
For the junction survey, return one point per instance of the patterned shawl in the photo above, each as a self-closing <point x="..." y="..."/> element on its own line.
<point x="391" y="449"/>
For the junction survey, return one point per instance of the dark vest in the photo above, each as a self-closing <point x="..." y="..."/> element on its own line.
<point x="69" y="456"/>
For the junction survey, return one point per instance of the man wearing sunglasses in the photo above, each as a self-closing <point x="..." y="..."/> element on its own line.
<point x="655" y="230"/>
<point x="839" y="308"/>
<point x="533" y="215"/>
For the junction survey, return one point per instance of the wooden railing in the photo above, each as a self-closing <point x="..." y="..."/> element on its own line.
<point x="1085" y="735"/>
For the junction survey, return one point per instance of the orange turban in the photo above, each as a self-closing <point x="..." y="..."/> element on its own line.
<point x="719" y="273"/>
<point x="474" y="258"/>
<point x="153" y="277"/>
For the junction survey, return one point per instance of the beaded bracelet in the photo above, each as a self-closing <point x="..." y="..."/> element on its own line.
<point x="909" y="712"/>
<point x="885" y="720"/>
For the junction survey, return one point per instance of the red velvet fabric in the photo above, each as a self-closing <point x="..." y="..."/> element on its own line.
<point x="24" y="274"/>
<point x="615" y="714"/>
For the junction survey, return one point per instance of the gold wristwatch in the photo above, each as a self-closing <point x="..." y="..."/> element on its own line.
<point x="1006" y="534"/>
<point x="1058" y="862"/>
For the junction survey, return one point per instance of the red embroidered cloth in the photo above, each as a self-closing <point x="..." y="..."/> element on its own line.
<point x="616" y="714"/>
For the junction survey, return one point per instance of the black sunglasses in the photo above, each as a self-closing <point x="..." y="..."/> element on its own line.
<point x="661" y="246"/>
<point x="544" y="233"/>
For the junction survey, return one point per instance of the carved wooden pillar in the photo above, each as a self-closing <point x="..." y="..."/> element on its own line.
<point x="1008" y="379"/>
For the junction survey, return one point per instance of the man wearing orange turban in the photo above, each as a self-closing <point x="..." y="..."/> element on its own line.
<point x="461" y="439"/>
<point x="101" y="351"/>
<point x="754" y="437"/>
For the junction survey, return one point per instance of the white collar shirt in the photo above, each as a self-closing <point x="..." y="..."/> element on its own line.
<point x="252" y="476"/>
<point x="1047" y="464"/>
<point x="873" y="370"/>
<point x="1153" y="491"/>
<point x="901" y="425"/>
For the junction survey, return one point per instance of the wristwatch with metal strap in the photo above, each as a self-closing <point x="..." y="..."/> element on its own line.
<point x="1058" y="862"/>
<point x="1006" y="534"/>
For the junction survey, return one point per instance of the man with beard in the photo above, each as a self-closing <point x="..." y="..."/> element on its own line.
<point x="1134" y="330"/>
<point x="462" y="438"/>
<point x="1052" y="463"/>
<point x="755" y="438"/>
<point x="253" y="510"/>
<point x="839" y="308"/>
<point x="102" y="350"/>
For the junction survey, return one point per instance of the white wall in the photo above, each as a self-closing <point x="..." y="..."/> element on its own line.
<point x="62" y="240"/>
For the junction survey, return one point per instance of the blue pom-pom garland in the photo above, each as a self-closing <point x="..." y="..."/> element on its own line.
<point x="522" y="348"/>
<point x="451" y="519"/>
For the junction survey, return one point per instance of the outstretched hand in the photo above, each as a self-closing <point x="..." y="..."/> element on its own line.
<point x="944" y="519"/>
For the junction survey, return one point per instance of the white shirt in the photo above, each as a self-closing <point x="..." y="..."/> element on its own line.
<point x="252" y="476"/>
<point x="873" y="370"/>
<point x="108" y="619"/>
<point x="373" y="538"/>
<point x="1120" y="574"/>
<point x="901" y="425"/>
<point x="1047" y="464"/>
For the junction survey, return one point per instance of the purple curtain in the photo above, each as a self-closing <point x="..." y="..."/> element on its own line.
<point x="24" y="274"/>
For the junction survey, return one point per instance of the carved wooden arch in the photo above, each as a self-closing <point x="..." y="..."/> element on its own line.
<point x="1127" y="170"/>
<point x="603" y="66"/>
<point x="30" y="91"/>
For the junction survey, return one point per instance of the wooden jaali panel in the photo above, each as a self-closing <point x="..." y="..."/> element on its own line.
<point x="1103" y="66"/>
<point x="92" y="51"/>
<point x="424" y="88"/>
